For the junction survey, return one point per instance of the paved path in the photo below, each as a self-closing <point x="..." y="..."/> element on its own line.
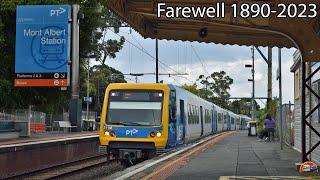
<point x="240" y="155"/>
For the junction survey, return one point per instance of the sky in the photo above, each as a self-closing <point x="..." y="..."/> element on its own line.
<point x="194" y="59"/>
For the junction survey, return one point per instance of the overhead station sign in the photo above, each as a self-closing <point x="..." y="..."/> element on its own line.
<point x="42" y="45"/>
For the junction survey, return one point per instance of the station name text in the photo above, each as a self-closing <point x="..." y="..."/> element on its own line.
<point x="47" y="36"/>
<point x="244" y="10"/>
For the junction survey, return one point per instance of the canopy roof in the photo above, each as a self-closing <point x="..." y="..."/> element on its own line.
<point x="303" y="33"/>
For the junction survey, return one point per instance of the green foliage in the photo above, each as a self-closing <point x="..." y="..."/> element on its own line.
<point x="194" y="89"/>
<point x="191" y="88"/>
<point x="243" y="106"/>
<point x="215" y="88"/>
<point x="92" y="33"/>
<point x="271" y="109"/>
<point x="100" y="77"/>
<point x="218" y="84"/>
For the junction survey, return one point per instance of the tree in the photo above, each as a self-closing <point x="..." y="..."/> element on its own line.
<point x="219" y="85"/>
<point x="100" y="77"/>
<point x="271" y="109"/>
<point x="193" y="88"/>
<point x="243" y="106"/>
<point x="92" y="32"/>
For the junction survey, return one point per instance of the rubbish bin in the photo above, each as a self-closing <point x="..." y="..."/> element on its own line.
<point x="252" y="128"/>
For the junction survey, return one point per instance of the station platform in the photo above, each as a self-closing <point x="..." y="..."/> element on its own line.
<point x="49" y="136"/>
<point x="230" y="156"/>
<point x="44" y="150"/>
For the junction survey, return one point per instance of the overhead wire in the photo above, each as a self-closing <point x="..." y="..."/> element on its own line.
<point x="142" y="49"/>
<point x="200" y="60"/>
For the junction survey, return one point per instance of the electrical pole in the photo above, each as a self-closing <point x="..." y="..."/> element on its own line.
<point x="157" y="62"/>
<point x="269" y="75"/>
<point x="206" y="87"/>
<point x="280" y="99"/>
<point x="253" y="85"/>
<point x="75" y="103"/>
<point x="88" y="88"/>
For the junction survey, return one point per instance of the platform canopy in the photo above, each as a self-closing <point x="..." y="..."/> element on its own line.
<point x="303" y="33"/>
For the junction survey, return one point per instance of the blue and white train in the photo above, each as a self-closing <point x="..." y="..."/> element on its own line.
<point x="140" y="120"/>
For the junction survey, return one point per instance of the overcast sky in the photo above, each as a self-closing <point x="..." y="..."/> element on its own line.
<point x="195" y="59"/>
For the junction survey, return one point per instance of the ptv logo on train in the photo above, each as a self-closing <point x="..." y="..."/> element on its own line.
<point x="131" y="132"/>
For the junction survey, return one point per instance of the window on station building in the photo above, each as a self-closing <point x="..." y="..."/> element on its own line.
<point x="316" y="101"/>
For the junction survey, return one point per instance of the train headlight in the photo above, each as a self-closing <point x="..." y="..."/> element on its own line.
<point x="158" y="134"/>
<point x="109" y="133"/>
<point x="155" y="134"/>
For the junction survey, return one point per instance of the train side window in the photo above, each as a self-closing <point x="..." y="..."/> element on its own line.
<point x="206" y="116"/>
<point x="189" y="114"/>
<point x="195" y="115"/>
<point x="198" y="114"/>
<point x="190" y="110"/>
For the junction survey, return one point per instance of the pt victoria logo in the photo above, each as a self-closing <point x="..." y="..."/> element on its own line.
<point x="308" y="168"/>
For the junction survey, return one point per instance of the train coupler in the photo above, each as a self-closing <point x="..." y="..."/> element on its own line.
<point x="130" y="154"/>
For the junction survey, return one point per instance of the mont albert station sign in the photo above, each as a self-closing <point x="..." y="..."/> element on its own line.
<point x="42" y="45"/>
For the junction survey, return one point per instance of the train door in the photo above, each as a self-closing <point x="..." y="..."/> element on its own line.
<point x="201" y="120"/>
<point x="182" y="126"/>
<point x="224" y="122"/>
<point x="228" y="122"/>
<point x="214" y="121"/>
<point x="172" y="126"/>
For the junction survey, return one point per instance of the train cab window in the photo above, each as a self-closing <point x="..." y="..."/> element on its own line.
<point x="134" y="107"/>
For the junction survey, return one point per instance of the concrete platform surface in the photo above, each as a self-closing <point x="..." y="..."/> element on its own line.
<point x="240" y="155"/>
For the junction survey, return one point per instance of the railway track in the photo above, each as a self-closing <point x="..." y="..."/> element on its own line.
<point x="80" y="169"/>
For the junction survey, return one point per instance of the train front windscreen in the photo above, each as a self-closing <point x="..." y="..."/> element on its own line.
<point x="135" y="108"/>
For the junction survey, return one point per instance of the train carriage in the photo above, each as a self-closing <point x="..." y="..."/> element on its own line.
<point x="140" y="120"/>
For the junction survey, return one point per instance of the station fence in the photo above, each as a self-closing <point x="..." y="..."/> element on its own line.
<point x="37" y="119"/>
<point x="287" y="124"/>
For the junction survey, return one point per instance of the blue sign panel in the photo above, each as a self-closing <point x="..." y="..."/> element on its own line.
<point x="42" y="39"/>
<point x="134" y="132"/>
